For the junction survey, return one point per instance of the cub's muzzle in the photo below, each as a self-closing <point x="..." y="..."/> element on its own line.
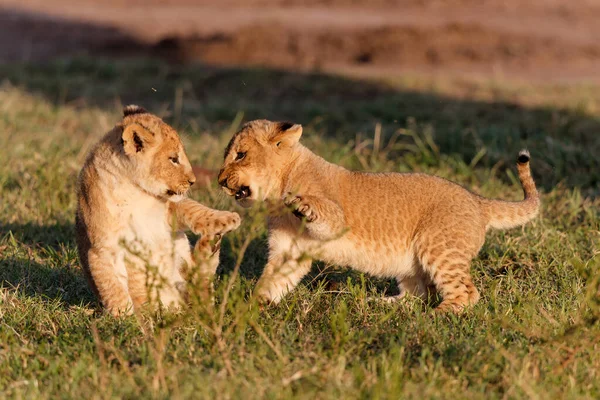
<point x="240" y="193"/>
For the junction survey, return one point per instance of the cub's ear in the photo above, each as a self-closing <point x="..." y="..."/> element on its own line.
<point x="136" y="138"/>
<point x="286" y="134"/>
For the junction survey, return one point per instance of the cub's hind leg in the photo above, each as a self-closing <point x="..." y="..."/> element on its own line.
<point x="109" y="277"/>
<point x="456" y="286"/>
<point x="446" y="256"/>
<point x="452" y="278"/>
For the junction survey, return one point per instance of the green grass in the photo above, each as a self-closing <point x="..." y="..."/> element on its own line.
<point x="534" y="334"/>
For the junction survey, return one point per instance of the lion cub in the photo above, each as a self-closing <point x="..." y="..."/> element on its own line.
<point x="420" y="229"/>
<point x="130" y="192"/>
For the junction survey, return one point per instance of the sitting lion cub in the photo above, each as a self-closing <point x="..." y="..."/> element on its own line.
<point x="131" y="191"/>
<point x="420" y="229"/>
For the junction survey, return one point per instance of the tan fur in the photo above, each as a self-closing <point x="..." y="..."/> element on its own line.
<point x="130" y="193"/>
<point x="420" y="229"/>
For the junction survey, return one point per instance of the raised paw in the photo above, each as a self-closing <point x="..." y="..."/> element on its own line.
<point x="225" y="221"/>
<point x="301" y="207"/>
<point x="220" y="223"/>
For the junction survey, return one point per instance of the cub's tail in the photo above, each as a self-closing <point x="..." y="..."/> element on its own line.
<point x="508" y="214"/>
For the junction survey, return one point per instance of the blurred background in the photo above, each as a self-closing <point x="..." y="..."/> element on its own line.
<point x="479" y="78"/>
<point x="536" y="40"/>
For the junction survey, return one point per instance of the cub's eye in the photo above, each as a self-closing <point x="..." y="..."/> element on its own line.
<point x="240" y="156"/>
<point x="174" y="160"/>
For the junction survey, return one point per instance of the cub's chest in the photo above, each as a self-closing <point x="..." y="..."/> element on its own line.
<point x="144" y="220"/>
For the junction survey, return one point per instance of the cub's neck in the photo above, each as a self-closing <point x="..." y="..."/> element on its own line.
<point x="308" y="173"/>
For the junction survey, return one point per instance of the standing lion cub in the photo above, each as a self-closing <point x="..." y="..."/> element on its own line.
<point x="131" y="192"/>
<point x="420" y="229"/>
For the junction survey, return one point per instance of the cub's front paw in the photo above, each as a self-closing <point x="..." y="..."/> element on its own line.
<point x="224" y="222"/>
<point x="301" y="207"/>
<point x="218" y="223"/>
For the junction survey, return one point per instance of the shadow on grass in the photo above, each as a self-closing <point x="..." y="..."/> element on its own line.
<point x="55" y="236"/>
<point x="253" y="262"/>
<point x="65" y="283"/>
<point x="59" y="279"/>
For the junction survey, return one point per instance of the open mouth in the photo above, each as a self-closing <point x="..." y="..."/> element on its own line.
<point x="242" y="193"/>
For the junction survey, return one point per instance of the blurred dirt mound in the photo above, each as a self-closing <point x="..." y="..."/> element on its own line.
<point x="547" y="40"/>
<point x="454" y="45"/>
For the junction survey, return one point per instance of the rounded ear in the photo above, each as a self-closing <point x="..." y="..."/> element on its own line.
<point x="136" y="138"/>
<point x="286" y="134"/>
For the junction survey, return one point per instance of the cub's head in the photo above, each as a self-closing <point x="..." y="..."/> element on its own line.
<point x="154" y="154"/>
<point x="256" y="159"/>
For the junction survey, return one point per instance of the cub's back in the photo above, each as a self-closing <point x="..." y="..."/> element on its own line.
<point x="384" y="205"/>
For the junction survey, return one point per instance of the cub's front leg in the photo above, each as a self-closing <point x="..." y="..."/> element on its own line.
<point x="212" y="225"/>
<point x="286" y="267"/>
<point x="324" y="218"/>
<point x="204" y="220"/>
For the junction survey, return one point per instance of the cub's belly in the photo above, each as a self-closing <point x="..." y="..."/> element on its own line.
<point x="383" y="262"/>
<point x="159" y="249"/>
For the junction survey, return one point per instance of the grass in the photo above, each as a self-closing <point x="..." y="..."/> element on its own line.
<point x="535" y="332"/>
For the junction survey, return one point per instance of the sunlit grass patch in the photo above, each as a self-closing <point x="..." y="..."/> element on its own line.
<point x="535" y="332"/>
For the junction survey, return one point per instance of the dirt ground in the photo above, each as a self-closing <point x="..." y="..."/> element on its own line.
<point x="532" y="40"/>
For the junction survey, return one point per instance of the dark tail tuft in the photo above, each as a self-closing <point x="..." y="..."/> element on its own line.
<point x="508" y="214"/>
<point x="523" y="157"/>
